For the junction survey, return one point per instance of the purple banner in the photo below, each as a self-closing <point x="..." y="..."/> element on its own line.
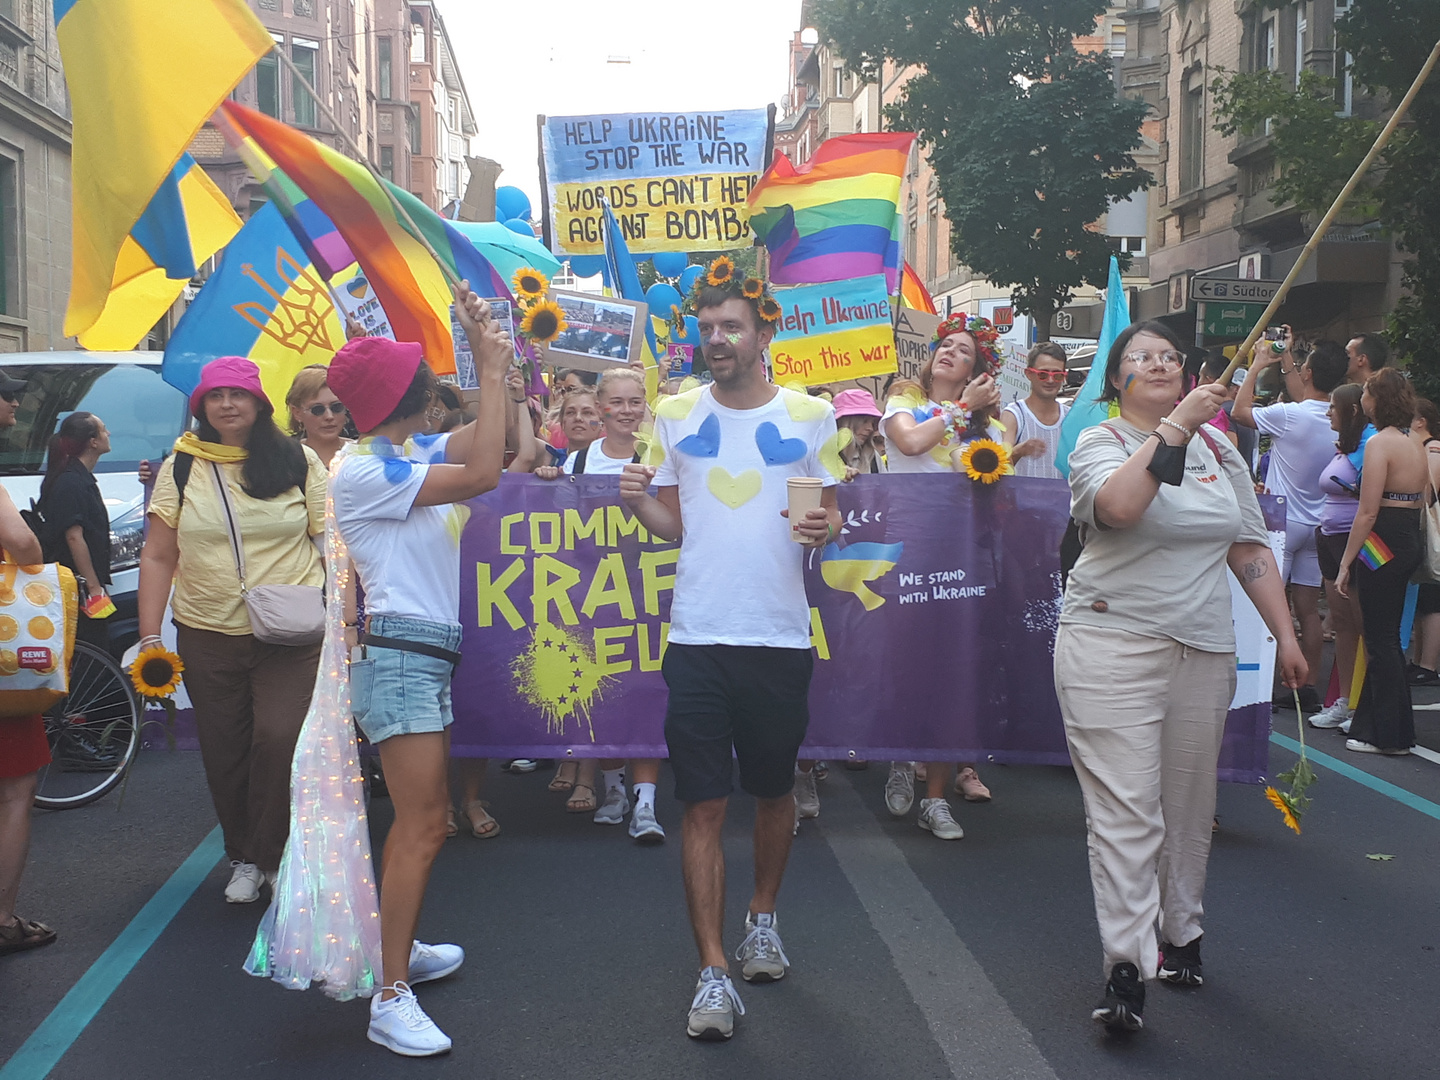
<point x="933" y="622"/>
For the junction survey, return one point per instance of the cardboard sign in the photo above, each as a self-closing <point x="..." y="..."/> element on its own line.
<point x="601" y="332"/>
<point x="913" y="333"/>
<point x="359" y="302"/>
<point x="833" y="332"/>
<point x="676" y="181"/>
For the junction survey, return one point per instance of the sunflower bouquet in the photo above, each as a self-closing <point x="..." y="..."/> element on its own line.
<point x="155" y="674"/>
<point x="541" y="319"/>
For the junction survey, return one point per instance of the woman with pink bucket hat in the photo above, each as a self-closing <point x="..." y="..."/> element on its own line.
<point x="393" y="495"/>
<point x="856" y="412"/>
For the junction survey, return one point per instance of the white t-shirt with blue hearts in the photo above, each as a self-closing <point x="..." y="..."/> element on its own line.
<point x="740" y="578"/>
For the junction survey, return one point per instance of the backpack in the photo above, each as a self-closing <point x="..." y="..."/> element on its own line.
<point x="580" y="457"/>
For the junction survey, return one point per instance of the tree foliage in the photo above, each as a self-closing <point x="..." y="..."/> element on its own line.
<point x="1029" y="142"/>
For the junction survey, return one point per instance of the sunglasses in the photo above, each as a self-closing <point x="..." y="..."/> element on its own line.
<point x="1045" y="375"/>
<point x="335" y="408"/>
<point x="12" y="396"/>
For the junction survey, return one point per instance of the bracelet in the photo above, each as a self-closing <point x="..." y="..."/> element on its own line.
<point x="1189" y="433"/>
<point x="146" y="640"/>
<point x="829" y="532"/>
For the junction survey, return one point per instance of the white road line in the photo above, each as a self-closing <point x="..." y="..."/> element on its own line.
<point x="969" y="1020"/>
<point x="1426" y="753"/>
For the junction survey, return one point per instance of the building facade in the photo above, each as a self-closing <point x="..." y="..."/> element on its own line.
<point x="444" y="121"/>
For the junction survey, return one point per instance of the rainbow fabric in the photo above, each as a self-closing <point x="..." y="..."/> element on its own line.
<point x="141" y="82"/>
<point x="913" y="293"/>
<point x="835" y="216"/>
<point x="1375" y="553"/>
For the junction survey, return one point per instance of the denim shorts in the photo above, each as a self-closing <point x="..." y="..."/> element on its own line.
<point x="403" y="693"/>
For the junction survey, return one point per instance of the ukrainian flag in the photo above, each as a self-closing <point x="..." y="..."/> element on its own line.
<point x="143" y="78"/>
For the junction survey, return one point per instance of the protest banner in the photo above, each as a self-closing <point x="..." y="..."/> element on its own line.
<point x="833" y="332"/>
<point x="933" y="622"/>
<point x="675" y="181"/>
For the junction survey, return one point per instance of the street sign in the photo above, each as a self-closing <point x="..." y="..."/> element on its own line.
<point x="1230" y="320"/>
<point x="1234" y="290"/>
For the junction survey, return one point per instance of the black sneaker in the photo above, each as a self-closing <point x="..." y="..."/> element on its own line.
<point x="1180" y="964"/>
<point x="1124" y="1000"/>
<point x="1309" y="700"/>
<point x="1422" y="676"/>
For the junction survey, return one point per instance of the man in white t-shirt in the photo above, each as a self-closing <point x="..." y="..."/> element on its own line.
<point x="1032" y="426"/>
<point x="738" y="662"/>
<point x="1301" y="445"/>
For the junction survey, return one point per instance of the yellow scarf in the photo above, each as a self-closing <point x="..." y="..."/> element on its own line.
<point x="190" y="443"/>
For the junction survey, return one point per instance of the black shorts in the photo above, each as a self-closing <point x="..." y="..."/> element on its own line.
<point x="1428" y="602"/>
<point x="1329" y="550"/>
<point x="752" y="700"/>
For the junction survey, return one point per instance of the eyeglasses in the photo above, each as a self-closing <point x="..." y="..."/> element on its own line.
<point x="1045" y="374"/>
<point x="1145" y="361"/>
<point x="12" y="396"/>
<point x="335" y="408"/>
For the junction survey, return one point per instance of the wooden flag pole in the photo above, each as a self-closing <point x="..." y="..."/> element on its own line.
<point x="1320" y="230"/>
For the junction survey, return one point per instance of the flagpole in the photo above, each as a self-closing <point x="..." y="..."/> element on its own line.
<point x="1335" y="208"/>
<point x="361" y="156"/>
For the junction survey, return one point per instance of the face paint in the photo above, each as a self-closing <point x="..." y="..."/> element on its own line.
<point x="1128" y="380"/>
<point x="733" y="339"/>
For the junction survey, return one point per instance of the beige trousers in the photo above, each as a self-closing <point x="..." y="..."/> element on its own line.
<point x="1144" y="718"/>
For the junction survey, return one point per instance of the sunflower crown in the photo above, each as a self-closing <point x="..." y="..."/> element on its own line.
<point x="720" y="274"/>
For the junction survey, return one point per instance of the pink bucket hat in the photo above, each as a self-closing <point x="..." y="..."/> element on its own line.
<point x="855" y="403"/>
<point x="233" y="371"/>
<point x="370" y="375"/>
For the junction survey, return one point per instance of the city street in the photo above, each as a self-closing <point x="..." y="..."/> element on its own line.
<point x="911" y="957"/>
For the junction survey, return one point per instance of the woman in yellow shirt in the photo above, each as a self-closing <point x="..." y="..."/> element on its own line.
<point x="250" y="697"/>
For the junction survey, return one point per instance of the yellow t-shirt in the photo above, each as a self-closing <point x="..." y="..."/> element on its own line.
<point x="275" y="533"/>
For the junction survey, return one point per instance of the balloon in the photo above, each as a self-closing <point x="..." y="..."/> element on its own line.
<point x="517" y="225"/>
<point x="691" y="336"/>
<point x="511" y="202"/>
<point x="689" y="276"/>
<point x="670" y="263"/>
<point x="660" y="297"/>
<point x="586" y="265"/>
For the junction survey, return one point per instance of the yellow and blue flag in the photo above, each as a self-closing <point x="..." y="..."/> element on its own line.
<point x="1087" y="409"/>
<point x="142" y="79"/>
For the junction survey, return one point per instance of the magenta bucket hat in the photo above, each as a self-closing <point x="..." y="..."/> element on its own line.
<point x="233" y="371"/>
<point x="855" y="403"/>
<point x="370" y="375"/>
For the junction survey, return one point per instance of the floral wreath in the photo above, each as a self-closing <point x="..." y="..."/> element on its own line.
<point x="720" y="274"/>
<point x="985" y="335"/>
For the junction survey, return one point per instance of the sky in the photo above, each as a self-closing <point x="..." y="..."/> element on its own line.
<point x="521" y="58"/>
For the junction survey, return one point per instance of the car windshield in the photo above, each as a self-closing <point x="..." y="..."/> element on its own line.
<point x="144" y="414"/>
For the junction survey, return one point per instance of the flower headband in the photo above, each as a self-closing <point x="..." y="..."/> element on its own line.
<point x="720" y="274"/>
<point x="986" y="336"/>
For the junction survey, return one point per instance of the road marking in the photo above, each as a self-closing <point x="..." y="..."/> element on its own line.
<point x="48" y="1043"/>
<point x="967" y="1017"/>
<point x="1426" y="753"/>
<point x="1360" y="776"/>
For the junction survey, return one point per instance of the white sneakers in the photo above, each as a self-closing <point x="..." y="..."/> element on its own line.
<point x="1332" y="716"/>
<point x="400" y="1024"/>
<point x="936" y="818"/>
<point x="761" y="954"/>
<point x="613" y="810"/>
<point x="245" y="880"/>
<point x="900" y="788"/>
<point x="807" y="799"/>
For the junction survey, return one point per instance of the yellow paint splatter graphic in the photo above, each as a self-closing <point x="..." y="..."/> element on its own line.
<point x="455" y="521"/>
<point x="648" y="446"/>
<point x="830" y="452"/>
<point x="559" y="676"/>
<point x="679" y="406"/>
<point x="802" y="407"/>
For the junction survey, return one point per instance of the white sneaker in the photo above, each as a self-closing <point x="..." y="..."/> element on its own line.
<point x="613" y="810"/>
<point x="935" y="816"/>
<point x="431" y="962"/>
<point x="807" y="799"/>
<point x="761" y="954"/>
<point x="714" y="1006"/>
<point x="401" y="1025"/>
<point x="1332" y="716"/>
<point x="643" y="826"/>
<point x="1359" y="746"/>
<point x="900" y="788"/>
<point x="244" y="887"/>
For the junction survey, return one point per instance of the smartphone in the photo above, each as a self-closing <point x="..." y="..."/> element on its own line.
<point x="1274" y="333"/>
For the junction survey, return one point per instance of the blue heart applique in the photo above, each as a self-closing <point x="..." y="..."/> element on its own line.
<point x="776" y="450"/>
<point x="397" y="469"/>
<point x="705" y="442"/>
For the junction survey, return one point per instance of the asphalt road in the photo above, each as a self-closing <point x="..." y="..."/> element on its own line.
<point x="912" y="957"/>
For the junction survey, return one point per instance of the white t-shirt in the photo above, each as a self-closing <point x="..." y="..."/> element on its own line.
<point x="1302" y="445"/>
<point x="597" y="462"/>
<point x="740" y="579"/>
<point x="407" y="556"/>
<point x="937" y="458"/>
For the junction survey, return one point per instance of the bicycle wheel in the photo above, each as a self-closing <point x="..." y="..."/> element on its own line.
<point x="94" y="732"/>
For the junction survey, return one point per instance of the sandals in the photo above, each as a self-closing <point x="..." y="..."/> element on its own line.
<point x="482" y="825"/>
<point x="582" y="804"/>
<point x="562" y="781"/>
<point x="24" y="934"/>
<point x="451" y="828"/>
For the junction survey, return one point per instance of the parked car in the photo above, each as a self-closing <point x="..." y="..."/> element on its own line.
<point x="145" y="416"/>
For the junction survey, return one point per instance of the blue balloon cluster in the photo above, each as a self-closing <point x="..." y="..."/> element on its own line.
<point x="587" y="265"/>
<point x="661" y="297"/>
<point x="512" y="203"/>
<point x="670" y="263"/>
<point x="689" y="276"/>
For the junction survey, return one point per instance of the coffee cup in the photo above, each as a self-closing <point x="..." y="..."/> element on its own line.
<point x="804" y="492"/>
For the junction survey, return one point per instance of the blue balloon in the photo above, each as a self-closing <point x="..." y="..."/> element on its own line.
<point x="511" y="202"/>
<point x="661" y="297"/>
<point x="586" y="265"/>
<point x="520" y="226"/>
<point x="689" y="276"/>
<point x="691" y="336"/>
<point x="670" y="263"/>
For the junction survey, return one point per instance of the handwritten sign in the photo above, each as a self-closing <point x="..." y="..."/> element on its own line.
<point x="676" y="181"/>
<point x="833" y="332"/>
<point x="913" y="333"/>
<point x="360" y="303"/>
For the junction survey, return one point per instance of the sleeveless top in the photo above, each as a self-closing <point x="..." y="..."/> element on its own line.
<point x="1028" y="427"/>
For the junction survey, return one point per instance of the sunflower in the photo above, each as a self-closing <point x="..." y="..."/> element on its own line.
<point x="769" y="309"/>
<point x="544" y="321"/>
<point x="752" y="289"/>
<point x="985" y="460"/>
<point x="530" y="283"/>
<point x="721" y="271"/>
<point x="156" y="672"/>
<point x="1283" y="805"/>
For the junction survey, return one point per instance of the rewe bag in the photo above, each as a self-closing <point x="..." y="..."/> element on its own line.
<point x="39" y="607"/>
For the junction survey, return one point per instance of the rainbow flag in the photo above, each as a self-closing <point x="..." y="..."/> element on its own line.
<point x="142" y="81"/>
<point x="913" y="293"/>
<point x="1375" y="553"/>
<point x="835" y="216"/>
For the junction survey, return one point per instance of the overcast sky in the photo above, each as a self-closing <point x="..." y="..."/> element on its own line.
<point x="520" y="58"/>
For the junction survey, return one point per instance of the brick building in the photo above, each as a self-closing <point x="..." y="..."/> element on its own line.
<point x="444" y="121"/>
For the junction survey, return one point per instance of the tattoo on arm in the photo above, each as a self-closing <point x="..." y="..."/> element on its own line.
<point x="1253" y="571"/>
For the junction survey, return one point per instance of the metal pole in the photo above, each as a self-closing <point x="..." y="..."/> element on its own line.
<point x="1320" y="230"/>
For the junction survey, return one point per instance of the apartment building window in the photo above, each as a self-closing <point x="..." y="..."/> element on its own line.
<point x="412" y="127"/>
<point x="932" y="241"/>
<point x="912" y="241"/>
<point x="303" y="52"/>
<point x="1301" y="25"/>
<point x="387" y="162"/>
<point x="384" y="46"/>
<point x="417" y="41"/>
<point x="1346" y="90"/>
<point x="839" y="81"/>
<point x="1192" y="130"/>
<point x="267" y="85"/>
<point x="454" y="114"/>
<point x="455" y="179"/>
<point x="1266" y="46"/>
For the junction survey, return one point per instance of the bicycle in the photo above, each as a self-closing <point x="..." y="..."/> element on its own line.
<point x="94" y="732"/>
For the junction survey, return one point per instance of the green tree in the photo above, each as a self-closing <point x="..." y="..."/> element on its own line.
<point x="1029" y="142"/>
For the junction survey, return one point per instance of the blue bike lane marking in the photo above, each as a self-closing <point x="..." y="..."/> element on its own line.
<point x="1360" y="776"/>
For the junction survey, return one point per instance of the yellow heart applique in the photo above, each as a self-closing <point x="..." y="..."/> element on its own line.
<point x="679" y="406"/>
<point x="804" y="408"/>
<point x="648" y="446"/>
<point x="455" y="521"/>
<point x="734" y="491"/>
<point x="830" y="452"/>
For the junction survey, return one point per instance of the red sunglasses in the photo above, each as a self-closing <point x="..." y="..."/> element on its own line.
<point x="1045" y="375"/>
